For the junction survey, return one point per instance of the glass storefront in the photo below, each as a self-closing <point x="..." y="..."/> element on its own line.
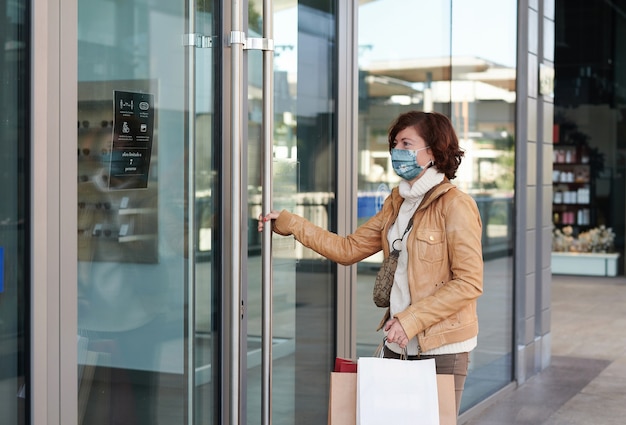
<point x="120" y="226"/>
<point x="590" y="130"/>
<point x="153" y="191"/>
<point x="14" y="210"/>
<point x="439" y="66"/>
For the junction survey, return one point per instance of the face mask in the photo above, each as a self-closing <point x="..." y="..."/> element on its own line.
<point x="405" y="164"/>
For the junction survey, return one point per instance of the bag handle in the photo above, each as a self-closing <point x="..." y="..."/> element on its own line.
<point x="379" y="352"/>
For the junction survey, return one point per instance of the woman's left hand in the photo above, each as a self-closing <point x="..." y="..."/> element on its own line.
<point x="395" y="333"/>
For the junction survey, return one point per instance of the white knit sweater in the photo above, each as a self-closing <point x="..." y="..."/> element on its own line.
<point x="400" y="297"/>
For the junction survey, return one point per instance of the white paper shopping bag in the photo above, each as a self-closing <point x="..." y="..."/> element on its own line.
<point x="398" y="392"/>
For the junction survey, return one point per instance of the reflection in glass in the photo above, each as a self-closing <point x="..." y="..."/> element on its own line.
<point x="396" y="74"/>
<point x="14" y="218"/>
<point x="205" y="295"/>
<point x="483" y="112"/>
<point x="138" y="281"/>
<point x="470" y="76"/>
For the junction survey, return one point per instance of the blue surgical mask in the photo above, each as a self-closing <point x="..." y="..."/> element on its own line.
<point x="405" y="164"/>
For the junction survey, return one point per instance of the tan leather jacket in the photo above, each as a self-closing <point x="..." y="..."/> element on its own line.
<point x="445" y="271"/>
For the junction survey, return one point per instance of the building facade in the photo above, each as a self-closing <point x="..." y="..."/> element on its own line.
<point x="142" y="139"/>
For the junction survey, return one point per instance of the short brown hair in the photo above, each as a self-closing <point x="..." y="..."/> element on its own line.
<point x="436" y="129"/>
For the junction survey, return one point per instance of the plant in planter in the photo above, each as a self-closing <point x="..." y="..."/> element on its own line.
<point x="598" y="239"/>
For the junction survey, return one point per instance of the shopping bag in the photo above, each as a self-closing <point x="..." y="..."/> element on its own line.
<point x="342" y="399"/>
<point x="399" y="392"/>
<point x="344" y="365"/>
<point x="447" y="399"/>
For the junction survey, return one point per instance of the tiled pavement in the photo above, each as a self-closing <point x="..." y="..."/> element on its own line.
<point x="585" y="383"/>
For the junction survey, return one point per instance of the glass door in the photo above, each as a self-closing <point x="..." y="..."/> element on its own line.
<point x="146" y="189"/>
<point x="304" y="182"/>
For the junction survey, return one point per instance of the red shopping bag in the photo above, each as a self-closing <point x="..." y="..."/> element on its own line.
<point x="344" y="365"/>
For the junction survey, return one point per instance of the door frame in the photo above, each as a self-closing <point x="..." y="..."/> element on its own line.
<point x="53" y="266"/>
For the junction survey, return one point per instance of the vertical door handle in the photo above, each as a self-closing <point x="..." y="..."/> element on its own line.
<point x="267" y="45"/>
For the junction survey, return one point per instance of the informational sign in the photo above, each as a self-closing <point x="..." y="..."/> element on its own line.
<point x="133" y="130"/>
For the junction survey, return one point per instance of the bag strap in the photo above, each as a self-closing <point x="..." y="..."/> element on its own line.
<point x="408" y="227"/>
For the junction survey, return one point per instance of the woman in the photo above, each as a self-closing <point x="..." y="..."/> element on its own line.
<point x="439" y="274"/>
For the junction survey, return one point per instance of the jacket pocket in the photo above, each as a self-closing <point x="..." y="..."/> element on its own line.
<point x="430" y="245"/>
<point x="450" y="323"/>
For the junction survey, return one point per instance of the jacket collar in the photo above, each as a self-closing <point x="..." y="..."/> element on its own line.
<point x="429" y="197"/>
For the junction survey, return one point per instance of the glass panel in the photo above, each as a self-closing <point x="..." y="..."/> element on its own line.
<point x="14" y="219"/>
<point x="206" y="296"/>
<point x="483" y="113"/>
<point x="469" y="77"/>
<point x="145" y="187"/>
<point x="304" y="166"/>
<point x="395" y="75"/>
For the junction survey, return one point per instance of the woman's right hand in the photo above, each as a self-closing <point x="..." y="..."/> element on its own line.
<point x="273" y="215"/>
<point x="396" y="333"/>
